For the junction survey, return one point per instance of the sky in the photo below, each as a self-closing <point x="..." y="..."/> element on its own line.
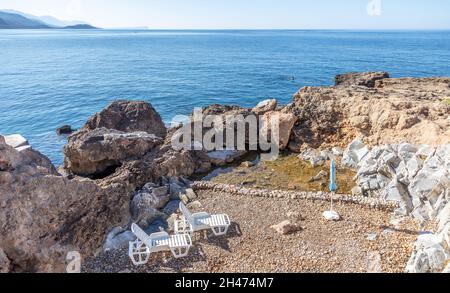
<point x="245" y="14"/>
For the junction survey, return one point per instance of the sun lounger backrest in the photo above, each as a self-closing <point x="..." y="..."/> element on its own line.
<point x="140" y="234"/>
<point x="186" y="213"/>
<point x="159" y="236"/>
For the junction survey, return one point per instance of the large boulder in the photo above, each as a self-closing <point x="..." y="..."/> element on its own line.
<point x="355" y="152"/>
<point x="89" y="153"/>
<point x="44" y="215"/>
<point x="366" y="79"/>
<point x="265" y="106"/>
<point x="285" y="122"/>
<point x="429" y="256"/>
<point x="129" y="116"/>
<point x="125" y="148"/>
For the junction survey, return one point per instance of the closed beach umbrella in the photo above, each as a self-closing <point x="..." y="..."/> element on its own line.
<point x="333" y="184"/>
<point x="331" y="215"/>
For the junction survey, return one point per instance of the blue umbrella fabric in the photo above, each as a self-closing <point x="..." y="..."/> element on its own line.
<point x="333" y="184"/>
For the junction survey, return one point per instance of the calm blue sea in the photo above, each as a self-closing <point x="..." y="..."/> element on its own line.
<point x="52" y="77"/>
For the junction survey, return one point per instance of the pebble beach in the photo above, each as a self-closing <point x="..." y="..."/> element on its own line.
<point x="363" y="241"/>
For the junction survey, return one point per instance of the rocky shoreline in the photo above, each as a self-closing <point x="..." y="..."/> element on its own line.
<point x="120" y="167"/>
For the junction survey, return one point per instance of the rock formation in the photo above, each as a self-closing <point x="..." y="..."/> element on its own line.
<point x="366" y="79"/>
<point x="384" y="110"/>
<point x="120" y="167"/>
<point x="418" y="178"/>
<point x="134" y="150"/>
<point x="93" y="152"/>
<point x="128" y="116"/>
<point x="43" y="215"/>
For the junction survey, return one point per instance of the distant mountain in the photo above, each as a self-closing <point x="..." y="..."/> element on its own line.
<point x="12" y="19"/>
<point x="49" y="20"/>
<point x="16" y="21"/>
<point x="80" y="27"/>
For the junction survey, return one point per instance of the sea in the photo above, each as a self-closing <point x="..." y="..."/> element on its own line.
<point x="49" y="78"/>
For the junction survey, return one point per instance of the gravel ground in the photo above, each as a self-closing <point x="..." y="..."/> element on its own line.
<point x="252" y="246"/>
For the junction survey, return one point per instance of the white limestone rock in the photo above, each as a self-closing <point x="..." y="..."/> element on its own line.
<point x="16" y="141"/>
<point x="430" y="256"/>
<point x="355" y="152"/>
<point x="331" y="216"/>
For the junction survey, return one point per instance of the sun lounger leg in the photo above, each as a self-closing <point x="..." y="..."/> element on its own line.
<point x="183" y="227"/>
<point x="180" y="252"/>
<point x="220" y="230"/>
<point x="138" y="253"/>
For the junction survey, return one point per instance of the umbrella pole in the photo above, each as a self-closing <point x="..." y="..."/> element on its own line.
<point x="332" y="195"/>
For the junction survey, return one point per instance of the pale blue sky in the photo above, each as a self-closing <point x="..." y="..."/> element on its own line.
<point x="248" y="14"/>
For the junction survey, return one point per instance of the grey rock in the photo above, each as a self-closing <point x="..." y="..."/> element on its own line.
<point x="224" y="157"/>
<point x="185" y="181"/>
<point x="160" y="192"/>
<point x="406" y="151"/>
<point x="414" y="165"/>
<point x="320" y="176"/>
<point x="430" y="256"/>
<point x="355" y="152"/>
<point x="171" y="207"/>
<point x="191" y="195"/>
<point x="338" y="152"/>
<point x="425" y="152"/>
<point x="396" y="191"/>
<point x="118" y="238"/>
<point x="314" y="157"/>
<point x="195" y="205"/>
<point x="144" y="208"/>
<point x="157" y="226"/>
<point x="184" y="198"/>
<point x="65" y="129"/>
<point x="176" y="191"/>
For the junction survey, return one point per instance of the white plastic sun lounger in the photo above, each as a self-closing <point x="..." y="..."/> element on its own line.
<point x="141" y="249"/>
<point x="191" y="223"/>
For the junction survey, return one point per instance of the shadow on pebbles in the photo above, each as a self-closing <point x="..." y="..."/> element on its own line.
<point x="365" y="240"/>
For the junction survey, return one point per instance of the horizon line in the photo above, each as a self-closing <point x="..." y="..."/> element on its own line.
<point x="275" y="29"/>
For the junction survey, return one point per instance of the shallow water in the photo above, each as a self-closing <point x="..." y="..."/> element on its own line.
<point x="286" y="173"/>
<point x="52" y="77"/>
